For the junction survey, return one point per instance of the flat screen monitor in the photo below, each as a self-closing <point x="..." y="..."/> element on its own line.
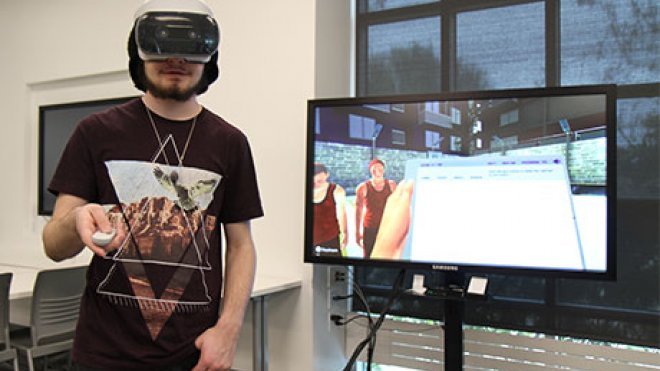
<point x="56" y="124"/>
<point x="507" y="181"/>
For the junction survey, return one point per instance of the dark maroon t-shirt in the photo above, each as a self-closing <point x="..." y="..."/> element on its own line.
<point x="145" y="304"/>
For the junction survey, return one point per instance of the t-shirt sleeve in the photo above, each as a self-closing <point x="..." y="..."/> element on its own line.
<point x="242" y="201"/>
<point x="75" y="173"/>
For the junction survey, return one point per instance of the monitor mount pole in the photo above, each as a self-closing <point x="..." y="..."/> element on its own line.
<point x="452" y="292"/>
<point x="454" y="313"/>
<point x="453" y="328"/>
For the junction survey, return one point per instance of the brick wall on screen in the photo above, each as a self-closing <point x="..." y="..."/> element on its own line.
<point x="586" y="161"/>
<point x="347" y="164"/>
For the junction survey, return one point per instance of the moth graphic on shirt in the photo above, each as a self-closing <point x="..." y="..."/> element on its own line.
<point x="162" y="263"/>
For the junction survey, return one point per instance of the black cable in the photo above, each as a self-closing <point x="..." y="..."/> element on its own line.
<point x="396" y="292"/>
<point x="340" y="321"/>
<point x="358" y="291"/>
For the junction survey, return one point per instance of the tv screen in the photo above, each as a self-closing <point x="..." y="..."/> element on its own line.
<point x="56" y="124"/>
<point x="518" y="181"/>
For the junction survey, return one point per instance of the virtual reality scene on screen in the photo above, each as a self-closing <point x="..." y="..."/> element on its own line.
<point x="496" y="182"/>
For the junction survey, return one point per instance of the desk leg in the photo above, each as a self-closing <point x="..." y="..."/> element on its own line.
<point x="259" y="334"/>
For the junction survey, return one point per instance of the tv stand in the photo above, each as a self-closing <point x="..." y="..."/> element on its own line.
<point x="454" y="314"/>
<point x="454" y="294"/>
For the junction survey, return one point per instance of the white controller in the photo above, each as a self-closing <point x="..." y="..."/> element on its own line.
<point x="101" y="239"/>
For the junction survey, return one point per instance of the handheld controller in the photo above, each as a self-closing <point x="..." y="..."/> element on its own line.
<point x="101" y="239"/>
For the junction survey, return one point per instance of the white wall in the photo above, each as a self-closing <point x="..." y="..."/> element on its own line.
<point x="70" y="50"/>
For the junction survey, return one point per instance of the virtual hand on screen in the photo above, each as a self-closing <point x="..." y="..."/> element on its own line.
<point x="358" y="239"/>
<point x="395" y="223"/>
<point x="91" y="218"/>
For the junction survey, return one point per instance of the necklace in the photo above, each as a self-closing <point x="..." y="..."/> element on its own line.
<point x="171" y="138"/>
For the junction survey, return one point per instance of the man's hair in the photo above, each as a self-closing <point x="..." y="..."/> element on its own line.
<point x="320" y="168"/>
<point x="136" y="68"/>
<point x="374" y="162"/>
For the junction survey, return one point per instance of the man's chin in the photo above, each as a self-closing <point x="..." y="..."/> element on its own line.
<point x="172" y="94"/>
<point x="171" y="91"/>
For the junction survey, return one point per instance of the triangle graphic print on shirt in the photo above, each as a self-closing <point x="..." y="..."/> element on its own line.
<point x="161" y="265"/>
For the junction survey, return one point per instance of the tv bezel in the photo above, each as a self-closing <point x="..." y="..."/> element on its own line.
<point x="42" y="187"/>
<point x="610" y="134"/>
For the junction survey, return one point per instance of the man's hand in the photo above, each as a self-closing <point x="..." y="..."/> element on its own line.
<point x="73" y="223"/>
<point x="91" y="218"/>
<point x="217" y="346"/>
<point x="395" y="224"/>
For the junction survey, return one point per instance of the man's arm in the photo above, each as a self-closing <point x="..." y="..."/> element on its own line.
<point x="218" y="343"/>
<point x="71" y="228"/>
<point x="340" y="202"/>
<point x="359" y="210"/>
<point x="392" y="185"/>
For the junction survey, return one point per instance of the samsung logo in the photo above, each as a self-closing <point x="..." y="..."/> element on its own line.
<point x="444" y="267"/>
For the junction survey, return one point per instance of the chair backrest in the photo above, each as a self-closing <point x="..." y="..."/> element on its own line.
<point x="56" y="302"/>
<point x="5" y="282"/>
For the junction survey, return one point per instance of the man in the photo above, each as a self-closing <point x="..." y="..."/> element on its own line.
<point x="330" y="237"/>
<point x="170" y="173"/>
<point x="370" y="198"/>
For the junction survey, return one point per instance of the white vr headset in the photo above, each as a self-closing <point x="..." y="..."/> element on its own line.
<point x="176" y="29"/>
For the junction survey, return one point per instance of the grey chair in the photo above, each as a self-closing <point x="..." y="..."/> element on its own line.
<point x="6" y="352"/>
<point x="54" y="314"/>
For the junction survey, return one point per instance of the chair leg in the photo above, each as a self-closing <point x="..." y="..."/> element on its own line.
<point x="16" y="363"/>
<point x="30" y="361"/>
<point x="69" y="361"/>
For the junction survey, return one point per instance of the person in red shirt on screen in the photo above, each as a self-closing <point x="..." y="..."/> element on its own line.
<point x="370" y="198"/>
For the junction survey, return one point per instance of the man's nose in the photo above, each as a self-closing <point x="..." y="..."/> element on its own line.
<point x="176" y="61"/>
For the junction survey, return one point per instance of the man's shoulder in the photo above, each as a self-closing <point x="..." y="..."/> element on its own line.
<point x="113" y="116"/>
<point x="338" y="188"/>
<point x="220" y="125"/>
<point x="361" y="188"/>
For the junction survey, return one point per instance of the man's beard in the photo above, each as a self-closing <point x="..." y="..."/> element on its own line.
<point x="174" y="92"/>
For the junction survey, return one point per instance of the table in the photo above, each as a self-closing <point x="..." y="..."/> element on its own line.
<point x="20" y="295"/>
<point x="265" y="286"/>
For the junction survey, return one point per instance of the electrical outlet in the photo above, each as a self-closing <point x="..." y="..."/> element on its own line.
<point x="337" y="285"/>
<point x="336" y="274"/>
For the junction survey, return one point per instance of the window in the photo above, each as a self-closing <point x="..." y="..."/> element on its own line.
<point x="510" y="117"/>
<point x="361" y="127"/>
<point x="432" y="107"/>
<point x="433" y="140"/>
<point x="456" y="116"/>
<point x="379" y="107"/>
<point x="398" y="137"/>
<point x="376" y="5"/>
<point x="455" y="145"/>
<point x="403" y="56"/>
<point x="477" y="127"/>
<point x="609" y="42"/>
<point x="493" y="52"/>
<point x="427" y="46"/>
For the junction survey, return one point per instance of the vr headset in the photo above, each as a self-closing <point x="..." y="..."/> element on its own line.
<point x="176" y="29"/>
